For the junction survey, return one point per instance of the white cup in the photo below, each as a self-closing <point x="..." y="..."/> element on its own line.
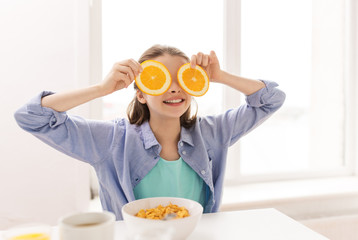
<point x="87" y="226"/>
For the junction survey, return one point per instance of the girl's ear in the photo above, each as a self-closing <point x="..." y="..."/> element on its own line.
<point x="140" y="97"/>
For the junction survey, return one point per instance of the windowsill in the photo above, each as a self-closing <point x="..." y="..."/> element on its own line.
<point x="300" y="199"/>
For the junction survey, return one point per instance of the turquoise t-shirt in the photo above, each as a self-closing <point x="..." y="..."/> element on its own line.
<point x="171" y="179"/>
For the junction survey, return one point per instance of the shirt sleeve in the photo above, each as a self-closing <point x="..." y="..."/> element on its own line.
<point x="84" y="139"/>
<point x="235" y="123"/>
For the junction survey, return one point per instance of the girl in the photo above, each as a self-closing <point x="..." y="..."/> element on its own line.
<point x="162" y="150"/>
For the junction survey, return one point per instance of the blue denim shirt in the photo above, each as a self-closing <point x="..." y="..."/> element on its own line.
<point x="122" y="153"/>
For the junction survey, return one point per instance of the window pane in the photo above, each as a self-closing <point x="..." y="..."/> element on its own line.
<point x="130" y="27"/>
<point x="298" y="44"/>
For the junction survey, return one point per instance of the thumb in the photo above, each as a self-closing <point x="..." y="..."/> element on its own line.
<point x="213" y="57"/>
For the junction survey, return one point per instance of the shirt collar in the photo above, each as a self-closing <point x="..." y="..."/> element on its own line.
<point x="148" y="136"/>
<point x="186" y="135"/>
<point x="150" y="140"/>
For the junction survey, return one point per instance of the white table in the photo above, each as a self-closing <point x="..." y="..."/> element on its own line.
<point x="258" y="224"/>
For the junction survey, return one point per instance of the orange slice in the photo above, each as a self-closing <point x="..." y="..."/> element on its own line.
<point x="155" y="78"/>
<point x="194" y="81"/>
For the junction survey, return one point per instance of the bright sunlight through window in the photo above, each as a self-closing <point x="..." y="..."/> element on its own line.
<point x="298" y="44"/>
<point x="128" y="33"/>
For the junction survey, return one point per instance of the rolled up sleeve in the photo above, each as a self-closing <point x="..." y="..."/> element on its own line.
<point x="84" y="139"/>
<point x="235" y="123"/>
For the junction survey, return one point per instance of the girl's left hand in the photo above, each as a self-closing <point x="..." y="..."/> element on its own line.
<point x="209" y="63"/>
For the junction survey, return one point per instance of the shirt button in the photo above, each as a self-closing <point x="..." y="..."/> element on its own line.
<point x="202" y="172"/>
<point x="183" y="152"/>
<point x="181" y="144"/>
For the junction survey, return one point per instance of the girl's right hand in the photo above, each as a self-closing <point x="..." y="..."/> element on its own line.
<point x="121" y="76"/>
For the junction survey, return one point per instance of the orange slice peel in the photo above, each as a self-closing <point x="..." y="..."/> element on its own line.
<point x="155" y="78"/>
<point x="194" y="81"/>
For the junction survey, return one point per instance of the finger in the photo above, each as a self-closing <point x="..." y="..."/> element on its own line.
<point x="199" y="58"/>
<point x="130" y="73"/>
<point x="123" y="77"/>
<point x="135" y="66"/>
<point x="193" y="61"/>
<point x="205" y="61"/>
<point x="125" y="70"/>
<point x="213" y="58"/>
<point x="126" y="80"/>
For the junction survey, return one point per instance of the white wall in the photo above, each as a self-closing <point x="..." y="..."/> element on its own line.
<point x="38" y="51"/>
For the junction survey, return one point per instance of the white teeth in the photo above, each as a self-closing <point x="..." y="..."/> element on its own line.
<point x="174" y="101"/>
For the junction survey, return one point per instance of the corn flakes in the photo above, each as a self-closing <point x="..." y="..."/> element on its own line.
<point x="161" y="211"/>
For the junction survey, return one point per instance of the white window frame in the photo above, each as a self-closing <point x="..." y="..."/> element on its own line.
<point x="351" y="70"/>
<point x="231" y="63"/>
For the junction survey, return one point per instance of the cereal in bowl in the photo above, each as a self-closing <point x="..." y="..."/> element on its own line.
<point x="160" y="212"/>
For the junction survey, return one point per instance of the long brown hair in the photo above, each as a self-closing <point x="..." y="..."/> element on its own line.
<point x="137" y="112"/>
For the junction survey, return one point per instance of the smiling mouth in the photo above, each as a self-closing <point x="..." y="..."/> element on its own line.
<point x="174" y="101"/>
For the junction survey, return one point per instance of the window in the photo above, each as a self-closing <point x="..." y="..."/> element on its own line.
<point x="130" y="27"/>
<point x="304" y="45"/>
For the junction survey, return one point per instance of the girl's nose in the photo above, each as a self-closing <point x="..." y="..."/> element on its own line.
<point x="174" y="87"/>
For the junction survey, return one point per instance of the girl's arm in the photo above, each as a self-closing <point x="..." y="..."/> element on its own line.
<point x="211" y="64"/>
<point x="61" y="102"/>
<point x="244" y="85"/>
<point x="84" y="139"/>
<point x="262" y="100"/>
<point x="121" y="76"/>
